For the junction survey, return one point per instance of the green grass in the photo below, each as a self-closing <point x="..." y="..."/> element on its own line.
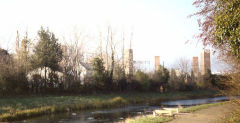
<point x="149" y="119"/>
<point x="17" y="108"/>
<point x="199" y="107"/>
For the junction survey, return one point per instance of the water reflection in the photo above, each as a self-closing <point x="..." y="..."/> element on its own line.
<point x="194" y="101"/>
<point x="96" y="116"/>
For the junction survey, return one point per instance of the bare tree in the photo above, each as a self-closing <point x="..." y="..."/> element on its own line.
<point x="110" y="49"/>
<point x="22" y="51"/>
<point x="183" y="64"/>
<point x="73" y="56"/>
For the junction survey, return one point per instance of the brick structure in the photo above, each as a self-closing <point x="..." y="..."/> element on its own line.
<point x="205" y="64"/>
<point x="195" y="66"/>
<point x="157" y="62"/>
<point x="128" y="62"/>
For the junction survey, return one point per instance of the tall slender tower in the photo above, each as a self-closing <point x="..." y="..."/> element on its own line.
<point x="205" y="64"/>
<point x="17" y="43"/>
<point x="195" y="66"/>
<point x="128" y="58"/>
<point x="157" y="62"/>
<point x="128" y="62"/>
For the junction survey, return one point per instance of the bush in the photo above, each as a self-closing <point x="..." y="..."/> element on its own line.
<point x="219" y="81"/>
<point x="36" y="83"/>
<point x="143" y="79"/>
<point x="12" y="81"/>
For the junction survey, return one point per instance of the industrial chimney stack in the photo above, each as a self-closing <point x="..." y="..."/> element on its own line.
<point x="157" y="62"/>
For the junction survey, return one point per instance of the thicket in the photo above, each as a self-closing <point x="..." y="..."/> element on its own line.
<point x="46" y="69"/>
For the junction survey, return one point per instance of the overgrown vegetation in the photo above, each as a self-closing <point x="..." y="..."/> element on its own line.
<point x="47" y="67"/>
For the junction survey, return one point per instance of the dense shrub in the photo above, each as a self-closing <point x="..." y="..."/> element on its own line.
<point x="12" y="81"/>
<point x="143" y="80"/>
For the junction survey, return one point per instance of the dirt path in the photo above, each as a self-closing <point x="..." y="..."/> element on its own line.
<point x="213" y="114"/>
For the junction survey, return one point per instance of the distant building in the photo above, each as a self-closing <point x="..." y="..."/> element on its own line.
<point x="41" y="72"/>
<point x="157" y="63"/>
<point x="205" y="64"/>
<point x="195" y="66"/>
<point x="187" y="79"/>
<point x="128" y="62"/>
<point x="144" y="66"/>
<point x="178" y="72"/>
<point x="82" y="70"/>
<point x="86" y="72"/>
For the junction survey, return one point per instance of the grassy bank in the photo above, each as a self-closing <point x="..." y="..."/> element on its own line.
<point x="199" y="107"/>
<point x="162" y="119"/>
<point x="18" y="108"/>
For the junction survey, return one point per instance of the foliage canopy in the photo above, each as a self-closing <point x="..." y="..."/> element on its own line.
<point x="220" y="24"/>
<point x="48" y="52"/>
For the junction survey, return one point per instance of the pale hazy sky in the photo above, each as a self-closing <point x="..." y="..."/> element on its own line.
<point x="160" y="27"/>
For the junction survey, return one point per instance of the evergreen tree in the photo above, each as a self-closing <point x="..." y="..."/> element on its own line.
<point x="99" y="73"/>
<point x="143" y="80"/>
<point x="173" y="82"/>
<point x="47" y="52"/>
<point x="193" y="78"/>
<point x="160" y="77"/>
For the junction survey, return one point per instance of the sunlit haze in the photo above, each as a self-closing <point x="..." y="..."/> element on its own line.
<point x="159" y="27"/>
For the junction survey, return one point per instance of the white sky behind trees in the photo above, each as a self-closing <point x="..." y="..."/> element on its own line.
<point x="160" y="27"/>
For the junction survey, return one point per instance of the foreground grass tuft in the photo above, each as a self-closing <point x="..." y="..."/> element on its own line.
<point x="149" y="119"/>
<point x="234" y="117"/>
